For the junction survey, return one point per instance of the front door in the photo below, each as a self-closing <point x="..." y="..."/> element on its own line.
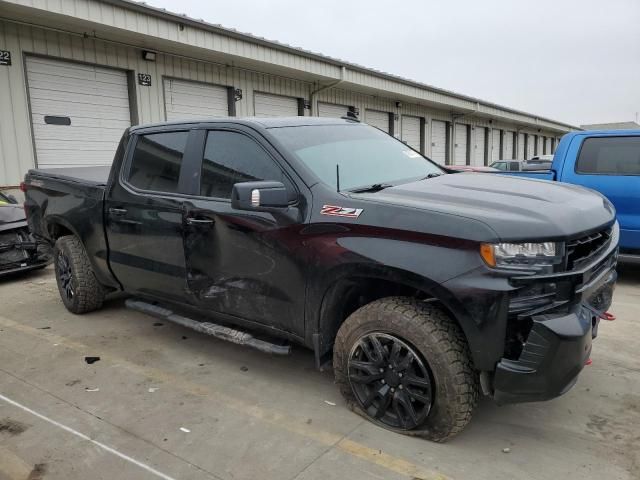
<point x="243" y="264"/>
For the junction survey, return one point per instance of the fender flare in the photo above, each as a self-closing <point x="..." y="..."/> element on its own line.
<point x="326" y="321"/>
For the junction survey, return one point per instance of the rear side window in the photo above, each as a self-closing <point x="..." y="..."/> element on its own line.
<point x="231" y="157"/>
<point x="156" y="161"/>
<point x="610" y="156"/>
<point x="514" y="167"/>
<point x="499" y="165"/>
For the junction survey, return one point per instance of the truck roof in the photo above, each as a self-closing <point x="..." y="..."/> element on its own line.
<point x="267" y="122"/>
<point x="628" y="133"/>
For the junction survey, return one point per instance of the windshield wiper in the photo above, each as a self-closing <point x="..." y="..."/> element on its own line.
<point x="376" y="187"/>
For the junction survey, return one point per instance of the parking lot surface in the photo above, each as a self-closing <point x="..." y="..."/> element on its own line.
<point x="166" y="402"/>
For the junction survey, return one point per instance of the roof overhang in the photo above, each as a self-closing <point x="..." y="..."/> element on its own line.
<point x="141" y="26"/>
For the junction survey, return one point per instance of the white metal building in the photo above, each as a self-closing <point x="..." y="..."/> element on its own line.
<point x="75" y="73"/>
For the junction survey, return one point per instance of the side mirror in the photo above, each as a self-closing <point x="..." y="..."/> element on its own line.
<point x="259" y="196"/>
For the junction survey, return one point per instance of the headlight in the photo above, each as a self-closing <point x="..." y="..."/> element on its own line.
<point x="541" y="257"/>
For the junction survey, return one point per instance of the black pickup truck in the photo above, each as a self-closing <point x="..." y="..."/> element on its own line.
<point x="424" y="287"/>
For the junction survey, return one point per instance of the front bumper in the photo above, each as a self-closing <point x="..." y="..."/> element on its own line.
<point x="559" y="343"/>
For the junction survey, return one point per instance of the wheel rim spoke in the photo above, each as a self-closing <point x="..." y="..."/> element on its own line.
<point x="417" y="382"/>
<point x="395" y="352"/>
<point x="65" y="275"/>
<point x="403" y="400"/>
<point x="419" y="397"/>
<point x="406" y="361"/>
<point x="385" y="402"/>
<point x="370" y="398"/>
<point x="397" y="410"/>
<point x="377" y="347"/>
<point x="370" y="374"/>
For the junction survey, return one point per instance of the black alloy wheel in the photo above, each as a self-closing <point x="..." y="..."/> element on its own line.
<point x="390" y="380"/>
<point x="65" y="274"/>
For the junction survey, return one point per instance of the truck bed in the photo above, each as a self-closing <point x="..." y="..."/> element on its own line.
<point x="78" y="209"/>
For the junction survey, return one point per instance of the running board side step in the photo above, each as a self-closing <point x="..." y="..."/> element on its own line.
<point x="219" y="331"/>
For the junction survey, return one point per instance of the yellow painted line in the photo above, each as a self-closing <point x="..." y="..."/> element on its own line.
<point x="280" y="420"/>
<point x="395" y="464"/>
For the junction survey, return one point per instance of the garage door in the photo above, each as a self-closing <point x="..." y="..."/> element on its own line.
<point x="460" y="145"/>
<point x="530" y="143"/>
<point x="508" y="145"/>
<point x="377" y="119"/>
<point x="186" y="100"/>
<point x="495" y="145"/>
<point x="479" y="145"/>
<point x="78" y="112"/>
<point x="520" y="155"/>
<point x="439" y="141"/>
<point x="411" y="131"/>
<point x="332" y="110"/>
<point x="267" y="105"/>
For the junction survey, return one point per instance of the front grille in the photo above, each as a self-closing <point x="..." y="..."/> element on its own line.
<point x="581" y="250"/>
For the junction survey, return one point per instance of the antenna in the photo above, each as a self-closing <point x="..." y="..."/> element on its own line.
<point x="338" y="177"/>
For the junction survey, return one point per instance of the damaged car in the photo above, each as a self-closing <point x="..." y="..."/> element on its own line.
<point x="19" y="250"/>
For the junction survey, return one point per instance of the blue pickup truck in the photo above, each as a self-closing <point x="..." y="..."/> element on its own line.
<point x="607" y="161"/>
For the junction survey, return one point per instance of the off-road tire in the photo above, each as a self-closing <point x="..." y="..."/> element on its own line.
<point x="88" y="294"/>
<point x="440" y="341"/>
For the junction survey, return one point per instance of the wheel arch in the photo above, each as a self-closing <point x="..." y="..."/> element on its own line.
<point x="59" y="227"/>
<point x="349" y="290"/>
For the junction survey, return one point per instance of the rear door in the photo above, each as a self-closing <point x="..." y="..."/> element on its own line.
<point x="610" y="165"/>
<point x="144" y="215"/>
<point x="242" y="264"/>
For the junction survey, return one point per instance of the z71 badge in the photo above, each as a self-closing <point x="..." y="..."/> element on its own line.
<point x="340" y="211"/>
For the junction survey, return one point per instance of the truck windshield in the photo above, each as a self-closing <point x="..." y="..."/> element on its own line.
<point x="366" y="156"/>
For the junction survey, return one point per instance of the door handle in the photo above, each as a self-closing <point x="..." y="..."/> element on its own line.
<point x="199" y="221"/>
<point x="118" y="212"/>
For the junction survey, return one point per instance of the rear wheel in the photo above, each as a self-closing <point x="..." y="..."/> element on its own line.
<point x="78" y="287"/>
<point x="405" y="365"/>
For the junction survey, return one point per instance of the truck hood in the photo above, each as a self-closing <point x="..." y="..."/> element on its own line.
<point x="514" y="208"/>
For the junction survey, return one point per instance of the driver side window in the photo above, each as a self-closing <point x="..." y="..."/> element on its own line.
<point x="232" y="157"/>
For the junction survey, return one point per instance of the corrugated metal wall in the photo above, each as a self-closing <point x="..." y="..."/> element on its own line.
<point x="16" y="144"/>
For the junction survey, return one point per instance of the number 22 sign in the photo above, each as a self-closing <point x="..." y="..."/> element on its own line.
<point x="5" y="57"/>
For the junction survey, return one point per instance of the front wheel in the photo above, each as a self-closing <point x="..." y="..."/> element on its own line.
<point x="79" y="289"/>
<point x="405" y="365"/>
